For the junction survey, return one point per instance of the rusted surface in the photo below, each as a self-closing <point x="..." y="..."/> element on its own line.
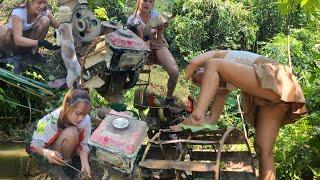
<point x="95" y="82"/>
<point x="170" y="164"/>
<point x="212" y="163"/>
<point x="234" y="137"/>
<point x="131" y="41"/>
<point x="184" y="141"/>
<point x="103" y="54"/>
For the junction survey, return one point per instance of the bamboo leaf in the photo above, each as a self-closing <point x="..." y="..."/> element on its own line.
<point x="303" y="2"/>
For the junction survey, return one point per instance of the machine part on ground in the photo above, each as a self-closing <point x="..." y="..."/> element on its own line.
<point x="118" y="147"/>
<point x="200" y="164"/>
<point x="86" y="26"/>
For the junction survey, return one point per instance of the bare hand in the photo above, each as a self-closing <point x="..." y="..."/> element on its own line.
<point x="162" y="27"/>
<point x="53" y="156"/>
<point x="86" y="170"/>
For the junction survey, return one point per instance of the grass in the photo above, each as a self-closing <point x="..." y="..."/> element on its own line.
<point x="158" y="84"/>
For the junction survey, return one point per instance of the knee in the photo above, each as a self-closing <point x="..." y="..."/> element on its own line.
<point x="71" y="133"/>
<point x="44" y="22"/>
<point x="262" y="150"/>
<point x="174" y="73"/>
<point x="5" y="33"/>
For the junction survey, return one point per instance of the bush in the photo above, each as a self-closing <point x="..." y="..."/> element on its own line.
<point x="298" y="149"/>
<point x="205" y="25"/>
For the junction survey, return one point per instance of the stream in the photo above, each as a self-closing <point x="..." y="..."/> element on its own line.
<point x="13" y="160"/>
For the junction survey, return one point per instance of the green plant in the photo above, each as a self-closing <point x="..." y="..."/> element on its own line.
<point x="113" y="8"/>
<point x="297" y="148"/>
<point x="204" y="25"/>
<point x="101" y="13"/>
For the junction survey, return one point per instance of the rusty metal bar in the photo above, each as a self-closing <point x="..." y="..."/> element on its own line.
<point x="221" y="142"/>
<point x="183" y="141"/>
<point x="149" y="74"/>
<point x="185" y="166"/>
<point x="182" y="152"/>
<point x="157" y="135"/>
<point x="82" y="59"/>
<point x="162" y="151"/>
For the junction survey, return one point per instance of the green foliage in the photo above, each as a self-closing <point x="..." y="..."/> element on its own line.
<point x="129" y="98"/>
<point x="114" y="9"/>
<point x="52" y="105"/>
<point x="15" y="103"/>
<point x="1" y="93"/>
<point x="204" y="25"/>
<point x="286" y="6"/>
<point x="268" y="18"/>
<point x="96" y="99"/>
<point x="101" y="13"/>
<point x="316" y="172"/>
<point x="13" y="115"/>
<point x="298" y="149"/>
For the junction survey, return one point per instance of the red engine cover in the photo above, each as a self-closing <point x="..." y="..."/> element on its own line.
<point x="126" y="39"/>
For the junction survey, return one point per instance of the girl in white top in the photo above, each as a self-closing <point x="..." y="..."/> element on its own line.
<point x="65" y="131"/>
<point x="157" y="42"/>
<point x="27" y="28"/>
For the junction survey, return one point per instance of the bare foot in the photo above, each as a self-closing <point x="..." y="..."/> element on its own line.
<point x="188" y="121"/>
<point x="191" y="121"/>
<point x="176" y="128"/>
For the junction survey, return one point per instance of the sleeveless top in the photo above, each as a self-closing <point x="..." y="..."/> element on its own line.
<point x="242" y="57"/>
<point x="22" y="14"/>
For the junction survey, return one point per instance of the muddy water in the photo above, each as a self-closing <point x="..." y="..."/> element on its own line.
<point x="12" y="161"/>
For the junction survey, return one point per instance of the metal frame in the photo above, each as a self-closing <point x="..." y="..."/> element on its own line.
<point x="180" y="165"/>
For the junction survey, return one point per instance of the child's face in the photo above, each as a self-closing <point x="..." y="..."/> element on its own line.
<point x="146" y="5"/>
<point x="38" y="6"/>
<point x="76" y="115"/>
